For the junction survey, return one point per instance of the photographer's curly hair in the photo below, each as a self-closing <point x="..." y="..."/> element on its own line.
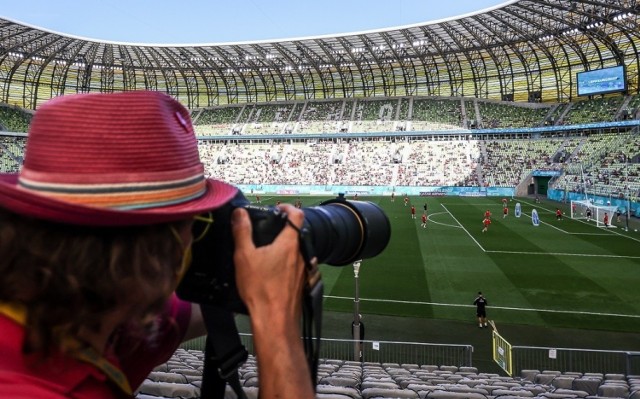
<point x="69" y="277"/>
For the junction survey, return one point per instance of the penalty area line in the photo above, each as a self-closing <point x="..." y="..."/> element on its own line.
<point x="508" y="308"/>
<point x="440" y="223"/>
<point x="462" y="227"/>
<point x="564" y="254"/>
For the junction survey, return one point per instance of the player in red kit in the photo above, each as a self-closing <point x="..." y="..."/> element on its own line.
<point x="486" y="222"/>
<point x="413" y="212"/>
<point x="406" y="200"/>
<point x="505" y="212"/>
<point x="424" y="221"/>
<point x="558" y="214"/>
<point x="487" y="214"/>
<point x="605" y="220"/>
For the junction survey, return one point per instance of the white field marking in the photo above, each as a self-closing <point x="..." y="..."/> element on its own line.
<point x="588" y="234"/>
<point x="261" y="199"/>
<point x="470" y="204"/>
<point x="564" y="254"/>
<point x="550" y="225"/>
<point x="462" y="227"/>
<point x="454" y="305"/>
<point x="566" y="232"/>
<point x="582" y="221"/>
<point x="442" y="224"/>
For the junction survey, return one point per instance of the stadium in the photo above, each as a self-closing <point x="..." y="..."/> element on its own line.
<point x="522" y="110"/>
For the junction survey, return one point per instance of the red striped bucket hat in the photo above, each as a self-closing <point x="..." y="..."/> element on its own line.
<point x="114" y="159"/>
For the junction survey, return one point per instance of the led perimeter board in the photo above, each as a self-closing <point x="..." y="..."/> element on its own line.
<point x="601" y="81"/>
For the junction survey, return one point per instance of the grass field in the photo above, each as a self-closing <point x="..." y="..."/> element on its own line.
<point x="563" y="273"/>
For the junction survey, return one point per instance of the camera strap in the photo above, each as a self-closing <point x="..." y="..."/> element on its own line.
<point x="312" y="320"/>
<point x="224" y="354"/>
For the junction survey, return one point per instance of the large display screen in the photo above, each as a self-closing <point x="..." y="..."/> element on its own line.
<point x="600" y="81"/>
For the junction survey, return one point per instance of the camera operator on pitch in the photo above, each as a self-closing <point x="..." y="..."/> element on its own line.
<point x="96" y="233"/>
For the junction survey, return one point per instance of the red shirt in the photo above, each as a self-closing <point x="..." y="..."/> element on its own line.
<point x="61" y="376"/>
<point x="486" y="222"/>
<point x="424" y="218"/>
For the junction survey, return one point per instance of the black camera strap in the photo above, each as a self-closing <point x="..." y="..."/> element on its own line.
<point x="224" y="354"/>
<point x="312" y="320"/>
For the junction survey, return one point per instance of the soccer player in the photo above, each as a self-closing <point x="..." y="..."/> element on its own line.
<point x="413" y="212"/>
<point x="424" y="221"/>
<point x="486" y="222"/>
<point x="258" y="199"/>
<point x="406" y="200"/>
<point x="504" y="202"/>
<point x="487" y="214"/>
<point x="558" y="214"/>
<point x="588" y="214"/>
<point x="393" y="197"/>
<point x="605" y="220"/>
<point x="505" y="211"/>
<point x="618" y="213"/>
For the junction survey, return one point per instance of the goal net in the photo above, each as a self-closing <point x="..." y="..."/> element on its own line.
<point x="587" y="210"/>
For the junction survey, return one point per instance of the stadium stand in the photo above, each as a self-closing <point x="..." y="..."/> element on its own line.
<point x="14" y="119"/>
<point x="181" y="377"/>
<point x="508" y="162"/>
<point x="11" y="150"/>
<point x="365" y="115"/>
<point x="436" y="114"/>
<point x="595" y="110"/>
<point x="504" y="115"/>
<point x="321" y="117"/>
<point x="217" y="121"/>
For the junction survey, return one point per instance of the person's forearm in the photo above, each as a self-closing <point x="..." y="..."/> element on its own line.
<point x="282" y="365"/>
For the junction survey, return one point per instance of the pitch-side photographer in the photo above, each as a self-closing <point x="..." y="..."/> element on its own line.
<point x="95" y="235"/>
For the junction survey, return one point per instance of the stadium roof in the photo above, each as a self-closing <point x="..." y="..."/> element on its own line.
<point x="522" y="50"/>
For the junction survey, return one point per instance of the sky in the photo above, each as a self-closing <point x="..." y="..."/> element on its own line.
<point x="215" y="21"/>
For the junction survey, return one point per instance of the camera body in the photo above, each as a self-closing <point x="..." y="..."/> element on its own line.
<point x="337" y="232"/>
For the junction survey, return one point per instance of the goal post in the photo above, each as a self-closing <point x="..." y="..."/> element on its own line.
<point x="587" y="210"/>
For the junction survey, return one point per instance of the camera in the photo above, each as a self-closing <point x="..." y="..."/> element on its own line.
<point x="337" y="232"/>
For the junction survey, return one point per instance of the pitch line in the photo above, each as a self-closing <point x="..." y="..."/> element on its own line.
<point x="564" y="254"/>
<point x="611" y="232"/>
<point x="440" y="223"/>
<point x="462" y="227"/>
<point x="454" y="305"/>
<point x="550" y="225"/>
<point x="566" y="232"/>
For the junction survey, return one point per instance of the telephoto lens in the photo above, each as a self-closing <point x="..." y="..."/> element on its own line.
<point x="337" y="232"/>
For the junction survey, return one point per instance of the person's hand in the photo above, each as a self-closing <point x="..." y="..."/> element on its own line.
<point x="270" y="278"/>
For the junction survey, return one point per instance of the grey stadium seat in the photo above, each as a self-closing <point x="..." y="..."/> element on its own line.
<point x="371" y="393"/>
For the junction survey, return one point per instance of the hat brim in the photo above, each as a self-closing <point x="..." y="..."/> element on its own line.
<point x="27" y="203"/>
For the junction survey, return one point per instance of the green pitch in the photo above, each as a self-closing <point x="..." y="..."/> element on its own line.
<point x="562" y="273"/>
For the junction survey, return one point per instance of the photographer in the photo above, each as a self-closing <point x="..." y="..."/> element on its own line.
<point x="95" y="235"/>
